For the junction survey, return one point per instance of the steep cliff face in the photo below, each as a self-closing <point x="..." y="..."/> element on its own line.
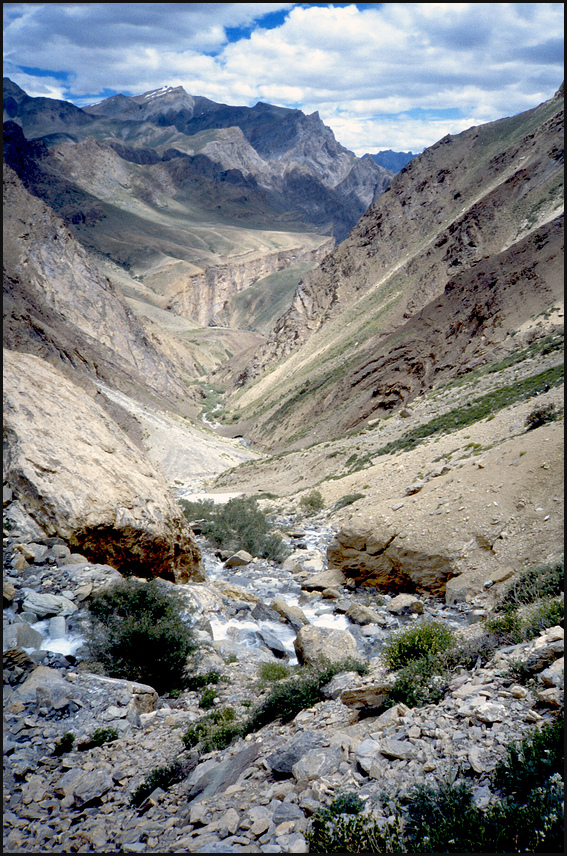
<point x="204" y="295"/>
<point x="59" y="306"/>
<point x="466" y="200"/>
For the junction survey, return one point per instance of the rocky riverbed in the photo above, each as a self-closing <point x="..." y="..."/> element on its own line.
<point x="257" y="795"/>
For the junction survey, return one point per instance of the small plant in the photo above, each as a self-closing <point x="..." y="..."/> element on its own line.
<point x="161" y="777"/>
<point x="104" y="735"/>
<point x="207" y="698"/>
<point x="138" y="632"/>
<point x="294" y="694"/>
<point x="420" y="682"/>
<point x="530" y="763"/>
<point x="64" y="745"/>
<point x="541" y="416"/>
<point x="312" y="502"/>
<point x="268" y="673"/>
<point x="535" y="584"/>
<point x="507" y="628"/>
<point x="346" y="500"/>
<point x="344" y="827"/>
<point x="426" y="638"/>
<point x="215" y="730"/>
<point x="198" y="682"/>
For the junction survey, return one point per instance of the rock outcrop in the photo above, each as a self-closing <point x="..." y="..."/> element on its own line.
<point x="79" y="477"/>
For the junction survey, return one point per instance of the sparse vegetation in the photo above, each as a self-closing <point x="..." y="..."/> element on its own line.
<point x="99" y="738"/>
<point x="161" y="777"/>
<point x="425" y="638"/>
<point x="138" y="632"/>
<point x="544" y="581"/>
<point x="215" y="730"/>
<point x="541" y="416"/>
<point x="480" y="408"/>
<point x="346" y="500"/>
<point x="443" y="818"/>
<point x="268" y="673"/>
<point x="312" y="502"/>
<point x="64" y="745"/>
<point x="238" y="524"/>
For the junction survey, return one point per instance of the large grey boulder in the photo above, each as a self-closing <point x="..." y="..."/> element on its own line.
<point x="313" y="644"/>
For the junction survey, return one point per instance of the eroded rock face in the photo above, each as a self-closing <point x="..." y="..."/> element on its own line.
<point x="376" y="557"/>
<point x="81" y="478"/>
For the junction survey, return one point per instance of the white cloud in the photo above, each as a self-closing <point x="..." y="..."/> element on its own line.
<point x="367" y="70"/>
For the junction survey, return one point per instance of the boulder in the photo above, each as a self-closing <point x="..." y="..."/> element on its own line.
<point x="313" y="644"/>
<point x="292" y="614"/>
<point x="375" y="556"/>
<point x="238" y="560"/>
<point x="281" y="761"/>
<point x="405" y="603"/>
<point x="82" y="478"/>
<point x="361" y="614"/>
<point x="330" y="578"/>
<point x="83" y="786"/>
<point x="317" y="763"/>
<point x="371" y="695"/>
<point x="21" y="635"/>
<point x="44" y="605"/>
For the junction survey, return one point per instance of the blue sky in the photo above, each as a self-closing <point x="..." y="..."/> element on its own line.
<point x="381" y="75"/>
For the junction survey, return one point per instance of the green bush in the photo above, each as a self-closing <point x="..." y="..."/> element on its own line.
<point x="207" y="698"/>
<point x="238" y="524"/>
<point x="138" y="633"/>
<point x="422" y="681"/>
<point x="507" y="628"/>
<point x="346" y="500"/>
<point x="268" y="673"/>
<point x="312" y="502"/>
<point x="64" y="745"/>
<point x="161" y="777"/>
<point x="513" y="627"/>
<point x="199" y="682"/>
<point x="530" y="763"/>
<point x="418" y="640"/>
<point x="344" y="827"/>
<point x="532" y="585"/>
<point x="215" y="730"/>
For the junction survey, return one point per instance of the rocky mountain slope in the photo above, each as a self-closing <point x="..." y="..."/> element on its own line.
<point x="196" y="200"/>
<point x="463" y="242"/>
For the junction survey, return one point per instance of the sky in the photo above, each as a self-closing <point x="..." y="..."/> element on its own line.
<point x="382" y="75"/>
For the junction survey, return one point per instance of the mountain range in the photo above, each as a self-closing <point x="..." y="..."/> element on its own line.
<point x="164" y="252"/>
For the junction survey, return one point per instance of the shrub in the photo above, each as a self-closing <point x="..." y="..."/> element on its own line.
<point x="507" y="628"/>
<point x="348" y="499"/>
<point x="98" y="738"/>
<point x="443" y="819"/>
<point x="297" y="693"/>
<point x="530" y="763"/>
<point x="270" y="672"/>
<point x="312" y="502"/>
<point x="416" y="641"/>
<point x="215" y="730"/>
<point x="541" y="416"/>
<point x="198" y="682"/>
<point x="420" y="682"/>
<point x="138" y="633"/>
<point x="344" y="827"/>
<point x="64" y="745"/>
<point x="207" y="699"/>
<point x="161" y="777"/>
<point x="238" y="524"/>
<point x="532" y="585"/>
